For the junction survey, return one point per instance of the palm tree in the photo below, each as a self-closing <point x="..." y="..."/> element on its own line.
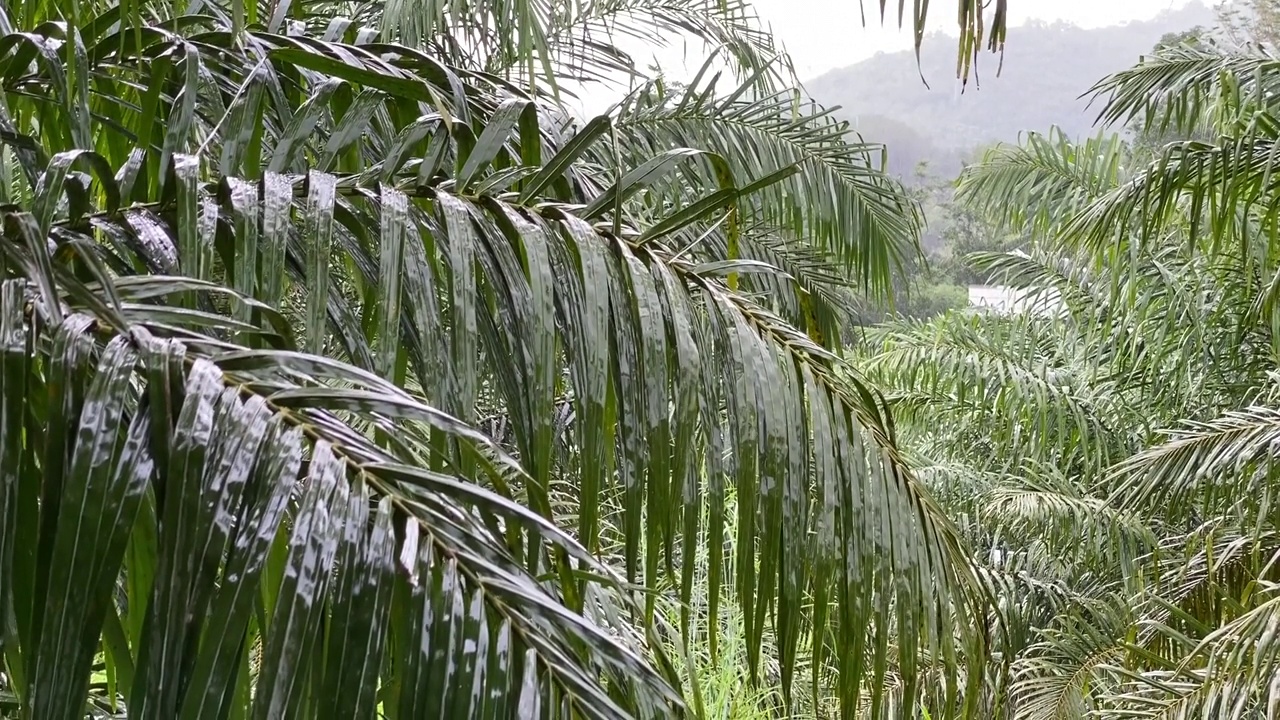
<point x="343" y="372"/>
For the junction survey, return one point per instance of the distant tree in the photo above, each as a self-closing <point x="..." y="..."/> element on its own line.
<point x="967" y="232"/>
<point x="936" y="282"/>
<point x="1250" y="22"/>
<point x="1194" y="37"/>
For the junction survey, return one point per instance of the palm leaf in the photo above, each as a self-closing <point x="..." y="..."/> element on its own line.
<point x="441" y="288"/>
<point x="1043" y="181"/>
<point x="216" y="472"/>
<point x="838" y="198"/>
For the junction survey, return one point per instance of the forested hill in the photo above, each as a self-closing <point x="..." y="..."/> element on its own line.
<point x="1046" y="69"/>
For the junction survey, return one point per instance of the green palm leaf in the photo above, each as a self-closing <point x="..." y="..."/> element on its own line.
<point x="1042" y="182"/>
<point x="230" y="464"/>
<point x="335" y="511"/>
<point x="837" y="198"/>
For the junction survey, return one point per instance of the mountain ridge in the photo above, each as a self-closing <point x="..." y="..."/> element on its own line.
<point x="1047" y="67"/>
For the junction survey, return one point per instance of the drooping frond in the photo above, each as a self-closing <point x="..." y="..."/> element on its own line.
<point x="208" y="475"/>
<point x="1155" y="321"/>
<point x="1021" y="388"/>
<point x="802" y="283"/>
<point x="1058" y="510"/>
<point x="540" y="38"/>
<point x="977" y="23"/>
<point x="1203" y="579"/>
<point x="1217" y="180"/>
<point x="1060" y="677"/>
<point x="1209" y="465"/>
<point x="1229" y="674"/>
<point x="549" y="43"/>
<point x="731" y="27"/>
<point x="803" y="173"/>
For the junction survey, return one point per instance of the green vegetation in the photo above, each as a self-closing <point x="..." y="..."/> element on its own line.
<point x="938" y="279"/>
<point x="344" y="373"/>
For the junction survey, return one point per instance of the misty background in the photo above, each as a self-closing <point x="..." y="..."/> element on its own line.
<point x="1047" y="68"/>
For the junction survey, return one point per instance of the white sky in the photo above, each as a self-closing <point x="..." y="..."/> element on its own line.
<point x="826" y="34"/>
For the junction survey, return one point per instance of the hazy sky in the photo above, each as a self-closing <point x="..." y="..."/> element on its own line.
<point x="822" y="35"/>
<point x="826" y="34"/>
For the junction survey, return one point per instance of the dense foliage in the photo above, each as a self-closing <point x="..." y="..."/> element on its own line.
<point x="344" y="373"/>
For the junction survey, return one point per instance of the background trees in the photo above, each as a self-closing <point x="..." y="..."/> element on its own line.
<point x="1108" y="453"/>
<point x="1040" y="83"/>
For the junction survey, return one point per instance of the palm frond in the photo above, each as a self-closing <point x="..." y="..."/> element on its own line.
<point x="1183" y="88"/>
<point x="1064" y="516"/>
<point x="1208" y="465"/>
<point x="552" y="44"/>
<point x="1048" y="278"/>
<point x="1043" y="181"/>
<point x="973" y="24"/>
<point x="729" y="26"/>
<point x="1023" y="391"/>
<point x="808" y="177"/>
<point x="206" y="448"/>
<point x="1222" y="189"/>
<point x="1060" y="676"/>
<point x="1229" y="674"/>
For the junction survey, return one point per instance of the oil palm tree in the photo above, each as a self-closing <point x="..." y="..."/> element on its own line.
<point x="331" y="344"/>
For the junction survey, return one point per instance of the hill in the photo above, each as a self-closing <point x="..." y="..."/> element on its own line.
<point x="1047" y="66"/>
